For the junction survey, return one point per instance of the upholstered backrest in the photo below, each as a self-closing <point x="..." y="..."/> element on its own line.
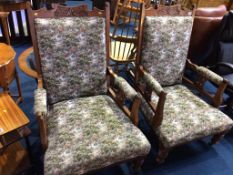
<point x="73" y="56"/>
<point x="165" y="47"/>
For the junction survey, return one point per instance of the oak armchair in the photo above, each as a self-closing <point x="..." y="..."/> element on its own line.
<point x="79" y="103"/>
<point x="174" y="112"/>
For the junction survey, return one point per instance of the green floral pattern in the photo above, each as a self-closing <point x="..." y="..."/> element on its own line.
<point x="40" y="101"/>
<point x="186" y="117"/>
<point x="89" y="133"/>
<point x="152" y="83"/>
<point x="209" y="75"/>
<point x="165" y="47"/>
<point x="124" y="86"/>
<point x="73" y="56"/>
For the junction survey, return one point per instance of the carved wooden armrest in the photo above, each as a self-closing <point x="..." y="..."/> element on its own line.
<point x="41" y="112"/>
<point x="120" y="90"/>
<point x="204" y="75"/>
<point x="152" y="85"/>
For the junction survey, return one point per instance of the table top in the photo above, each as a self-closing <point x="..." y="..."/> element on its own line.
<point x="11" y="116"/>
<point x="7" y="53"/>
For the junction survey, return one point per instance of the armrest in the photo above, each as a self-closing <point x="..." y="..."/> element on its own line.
<point x="40" y="102"/>
<point x="152" y="82"/>
<point x="119" y="89"/>
<point x="210" y="75"/>
<point x="124" y="86"/>
<point x="40" y="110"/>
<point x="206" y="74"/>
<point x="152" y="85"/>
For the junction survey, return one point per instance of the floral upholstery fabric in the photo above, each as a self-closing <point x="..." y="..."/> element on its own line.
<point x="209" y="75"/>
<point x="153" y="83"/>
<point x="186" y="117"/>
<point x="73" y="56"/>
<point x="165" y="47"/>
<point x="129" y="92"/>
<point x="89" y="133"/>
<point x="40" y="101"/>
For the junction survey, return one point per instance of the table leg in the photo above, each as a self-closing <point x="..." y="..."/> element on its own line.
<point x="20" y="99"/>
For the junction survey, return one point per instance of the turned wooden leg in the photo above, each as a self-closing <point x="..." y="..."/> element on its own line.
<point x="137" y="164"/>
<point x="5" y="29"/>
<point x="216" y="138"/>
<point x="162" y="155"/>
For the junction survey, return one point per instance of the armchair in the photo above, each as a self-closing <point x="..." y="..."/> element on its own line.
<point x="224" y="56"/>
<point x="79" y="103"/>
<point x="174" y="112"/>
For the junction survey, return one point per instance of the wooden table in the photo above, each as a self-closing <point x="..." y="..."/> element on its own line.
<point x="11" y="116"/>
<point x="13" y="127"/>
<point x="12" y="121"/>
<point x="8" y="70"/>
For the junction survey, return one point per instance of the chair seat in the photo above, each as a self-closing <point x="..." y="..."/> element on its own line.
<point x="187" y="119"/>
<point x="89" y="133"/>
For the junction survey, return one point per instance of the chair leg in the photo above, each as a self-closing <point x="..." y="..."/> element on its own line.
<point x="216" y="138"/>
<point x="137" y="164"/>
<point x="20" y="98"/>
<point x="162" y="155"/>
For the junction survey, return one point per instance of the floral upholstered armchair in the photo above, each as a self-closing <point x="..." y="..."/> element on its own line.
<point x="82" y="128"/>
<point x="174" y="112"/>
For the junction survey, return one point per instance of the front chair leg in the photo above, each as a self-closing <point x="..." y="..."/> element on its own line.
<point x="216" y="138"/>
<point x="137" y="164"/>
<point x="162" y="155"/>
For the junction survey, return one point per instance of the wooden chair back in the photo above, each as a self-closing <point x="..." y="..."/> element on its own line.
<point x="125" y="26"/>
<point x="59" y="11"/>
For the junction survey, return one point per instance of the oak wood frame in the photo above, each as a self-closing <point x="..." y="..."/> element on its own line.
<point x="146" y="91"/>
<point x="117" y="95"/>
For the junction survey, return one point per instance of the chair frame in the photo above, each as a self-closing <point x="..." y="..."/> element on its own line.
<point x="117" y="95"/>
<point x="146" y="92"/>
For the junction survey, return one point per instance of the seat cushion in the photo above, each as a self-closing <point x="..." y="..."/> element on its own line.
<point x="165" y="47"/>
<point x="186" y="117"/>
<point x="89" y="133"/>
<point x="73" y="56"/>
